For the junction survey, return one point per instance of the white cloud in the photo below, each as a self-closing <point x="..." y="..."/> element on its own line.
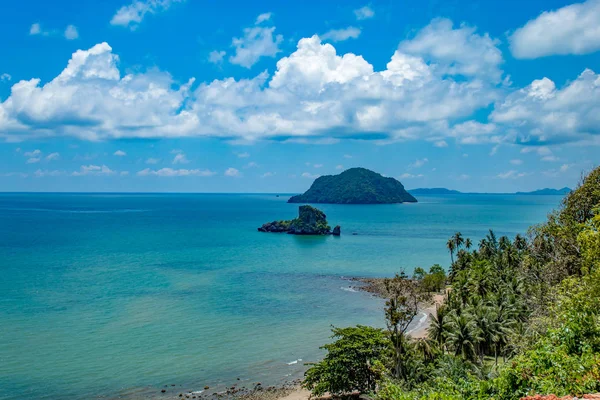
<point x="407" y="175"/>
<point x="365" y="12"/>
<point x="53" y="157"/>
<point x="180" y="158"/>
<point x="152" y="161"/>
<point x="71" y="32"/>
<point x="565" y="167"/>
<point x="458" y="51"/>
<point x="43" y="173"/>
<point x="5" y="77"/>
<point x="572" y="29"/>
<point x="232" y="172"/>
<point x="543" y="114"/>
<point x="216" y="57"/>
<point x="36" y="29"/>
<point x="317" y="165"/>
<point x="131" y="15"/>
<point x="440" y="143"/>
<point x="347" y="155"/>
<point x="13" y="174"/>
<point x="463" y="177"/>
<point x="339" y="167"/>
<point x="34" y="153"/>
<point x="268" y="174"/>
<point x="314" y="95"/>
<point x="243" y="155"/>
<point x="251" y="164"/>
<point x="124" y="173"/>
<point x="119" y="153"/>
<point x="339" y="35"/>
<point x="262" y="18"/>
<point x="309" y="175"/>
<point x="512" y="174"/>
<point x="516" y="161"/>
<point x="170" y="172"/>
<point x="418" y="163"/>
<point x="93" y="170"/>
<point x="257" y="42"/>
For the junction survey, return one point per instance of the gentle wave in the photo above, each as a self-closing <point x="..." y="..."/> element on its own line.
<point x="294" y="362"/>
<point x="75" y="211"/>
<point x="349" y="289"/>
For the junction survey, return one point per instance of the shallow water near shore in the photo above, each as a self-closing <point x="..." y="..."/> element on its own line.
<point x="115" y="294"/>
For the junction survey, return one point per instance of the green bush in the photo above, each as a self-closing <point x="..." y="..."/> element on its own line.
<point x="354" y="362"/>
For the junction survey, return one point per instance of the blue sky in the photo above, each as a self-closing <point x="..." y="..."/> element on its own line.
<point x="264" y="96"/>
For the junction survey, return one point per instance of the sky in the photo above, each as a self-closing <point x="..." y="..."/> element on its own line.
<point x="265" y="96"/>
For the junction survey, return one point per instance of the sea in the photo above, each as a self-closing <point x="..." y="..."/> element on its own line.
<point x="119" y="295"/>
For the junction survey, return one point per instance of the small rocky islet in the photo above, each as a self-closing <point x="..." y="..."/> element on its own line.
<point x="310" y="221"/>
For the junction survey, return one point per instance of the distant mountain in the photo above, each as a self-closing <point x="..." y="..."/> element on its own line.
<point x="427" y="191"/>
<point x="355" y="186"/>
<point x="548" y="191"/>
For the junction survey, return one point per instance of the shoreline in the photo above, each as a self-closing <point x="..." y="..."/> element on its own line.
<point x="287" y="390"/>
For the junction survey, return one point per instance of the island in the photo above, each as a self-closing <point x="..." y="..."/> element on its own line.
<point x="310" y="221"/>
<point x="355" y="186"/>
<point x="433" y="191"/>
<point x="548" y="191"/>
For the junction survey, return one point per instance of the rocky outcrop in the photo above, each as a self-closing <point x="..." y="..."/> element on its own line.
<point x="337" y="231"/>
<point x="310" y="221"/>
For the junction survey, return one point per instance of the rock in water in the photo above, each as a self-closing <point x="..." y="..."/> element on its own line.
<point x="355" y="186"/>
<point x="310" y="221"/>
<point x="337" y="231"/>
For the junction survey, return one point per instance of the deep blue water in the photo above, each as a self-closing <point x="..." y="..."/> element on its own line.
<point x="117" y="294"/>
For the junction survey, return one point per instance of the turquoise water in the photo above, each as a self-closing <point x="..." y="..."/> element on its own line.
<point x="118" y="294"/>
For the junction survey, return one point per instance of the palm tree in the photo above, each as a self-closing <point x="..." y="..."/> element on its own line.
<point x="427" y="347"/>
<point x="468" y="244"/>
<point x="436" y="330"/>
<point x="458" y="240"/>
<point x="451" y="246"/>
<point x="463" y="335"/>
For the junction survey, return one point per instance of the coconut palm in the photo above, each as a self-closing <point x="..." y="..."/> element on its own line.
<point x="463" y="335"/>
<point x="458" y="240"/>
<point x="436" y="330"/>
<point x="468" y="244"/>
<point x="451" y="246"/>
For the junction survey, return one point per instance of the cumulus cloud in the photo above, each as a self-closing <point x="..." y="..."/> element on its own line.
<point x="418" y="163"/>
<point x="180" y="158"/>
<point x="216" y="57"/>
<point x="309" y="175"/>
<point x="71" y="32"/>
<point x="314" y="94"/>
<point x="44" y="173"/>
<point x="572" y="29"/>
<point x="257" y="42"/>
<point x="457" y="51"/>
<point x="170" y="172"/>
<point x="119" y="153"/>
<point x="512" y="174"/>
<point x="543" y="114"/>
<point x="232" y="172"/>
<point x="407" y="175"/>
<point x="93" y="170"/>
<point x="53" y="157"/>
<point x="35" y="29"/>
<point x="262" y="18"/>
<point x="339" y="35"/>
<point x="268" y="174"/>
<point x="152" y="161"/>
<point x="365" y="12"/>
<point x="516" y="161"/>
<point x="5" y="77"/>
<point x="130" y="16"/>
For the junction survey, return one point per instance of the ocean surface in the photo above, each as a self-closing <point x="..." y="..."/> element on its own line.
<point x="120" y="294"/>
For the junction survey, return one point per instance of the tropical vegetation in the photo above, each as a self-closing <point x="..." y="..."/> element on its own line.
<point x="520" y="317"/>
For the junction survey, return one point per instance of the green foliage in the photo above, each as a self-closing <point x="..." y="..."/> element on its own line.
<point x="355" y="186"/>
<point x="354" y="362"/>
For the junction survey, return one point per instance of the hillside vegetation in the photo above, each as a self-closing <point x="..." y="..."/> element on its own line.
<point x="355" y="186"/>
<point x="521" y="317"/>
